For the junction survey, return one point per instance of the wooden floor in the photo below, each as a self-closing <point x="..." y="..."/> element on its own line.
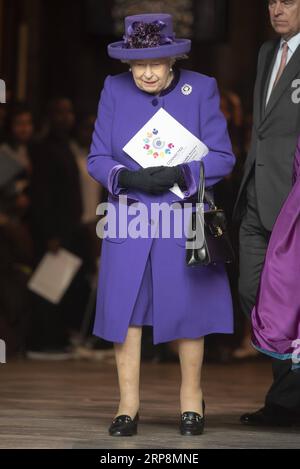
<point x="70" y="405"/>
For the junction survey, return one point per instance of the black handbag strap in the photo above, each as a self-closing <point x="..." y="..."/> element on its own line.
<point x="202" y="193"/>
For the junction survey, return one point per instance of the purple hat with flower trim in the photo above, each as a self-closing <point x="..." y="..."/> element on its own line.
<point x="148" y="36"/>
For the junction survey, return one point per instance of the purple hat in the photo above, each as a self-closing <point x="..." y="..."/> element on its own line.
<point x="148" y="36"/>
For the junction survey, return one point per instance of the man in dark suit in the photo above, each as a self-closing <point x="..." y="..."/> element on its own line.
<point x="266" y="183"/>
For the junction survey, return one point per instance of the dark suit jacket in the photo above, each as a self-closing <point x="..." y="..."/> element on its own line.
<point x="274" y="137"/>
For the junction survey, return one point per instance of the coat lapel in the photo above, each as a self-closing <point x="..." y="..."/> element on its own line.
<point x="258" y="95"/>
<point x="290" y="71"/>
<point x="269" y="65"/>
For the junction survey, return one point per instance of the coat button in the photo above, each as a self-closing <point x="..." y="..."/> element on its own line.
<point x="155" y="102"/>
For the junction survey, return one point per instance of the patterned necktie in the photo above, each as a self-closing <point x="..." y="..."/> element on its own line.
<point x="285" y="50"/>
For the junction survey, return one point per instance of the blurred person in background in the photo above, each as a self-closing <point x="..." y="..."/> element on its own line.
<point x="16" y="256"/>
<point x="56" y="220"/>
<point x="3" y="115"/>
<point x="3" y="108"/>
<point x="19" y="135"/>
<point x="19" y="141"/>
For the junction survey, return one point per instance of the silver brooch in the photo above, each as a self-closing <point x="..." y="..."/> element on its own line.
<point x="186" y="89"/>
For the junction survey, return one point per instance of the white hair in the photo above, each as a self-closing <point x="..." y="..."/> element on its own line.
<point x="172" y="59"/>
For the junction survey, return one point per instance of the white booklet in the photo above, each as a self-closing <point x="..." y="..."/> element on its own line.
<point x="163" y="141"/>
<point x="54" y="275"/>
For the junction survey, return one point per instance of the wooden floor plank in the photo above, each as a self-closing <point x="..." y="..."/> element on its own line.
<point x="70" y="405"/>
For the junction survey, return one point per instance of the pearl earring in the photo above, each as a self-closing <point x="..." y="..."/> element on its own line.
<point x="130" y="70"/>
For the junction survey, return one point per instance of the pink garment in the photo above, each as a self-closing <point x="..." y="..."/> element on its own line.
<point x="276" y="315"/>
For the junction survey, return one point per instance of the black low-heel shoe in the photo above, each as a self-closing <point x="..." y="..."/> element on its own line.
<point x="192" y="423"/>
<point x="123" y="425"/>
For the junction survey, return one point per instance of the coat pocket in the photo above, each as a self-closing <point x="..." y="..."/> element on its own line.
<point x="115" y="240"/>
<point x="109" y="237"/>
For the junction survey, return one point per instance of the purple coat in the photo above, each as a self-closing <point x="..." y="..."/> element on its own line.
<point x="276" y="315"/>
<point x="187" y="302"/>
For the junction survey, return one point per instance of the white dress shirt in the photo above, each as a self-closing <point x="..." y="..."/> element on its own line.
<point x="293" y="43"/>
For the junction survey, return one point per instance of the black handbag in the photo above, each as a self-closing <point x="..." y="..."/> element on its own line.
<point x="209" y="243"/>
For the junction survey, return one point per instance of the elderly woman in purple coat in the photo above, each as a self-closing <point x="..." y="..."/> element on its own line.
<point x="276" y="315"/>
<point x="145" y="280"/>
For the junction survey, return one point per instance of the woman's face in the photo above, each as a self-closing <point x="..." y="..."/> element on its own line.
<point x="152" y="76"/>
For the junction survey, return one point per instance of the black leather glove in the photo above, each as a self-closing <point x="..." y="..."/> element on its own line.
<point x="170" y="176"/>
<point x="146" y="179"/>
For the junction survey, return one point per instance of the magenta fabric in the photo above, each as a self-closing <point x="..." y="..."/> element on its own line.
<point x="276" y="315"/>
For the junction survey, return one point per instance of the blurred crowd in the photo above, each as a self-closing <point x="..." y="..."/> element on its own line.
<point x="48" y="202"/>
